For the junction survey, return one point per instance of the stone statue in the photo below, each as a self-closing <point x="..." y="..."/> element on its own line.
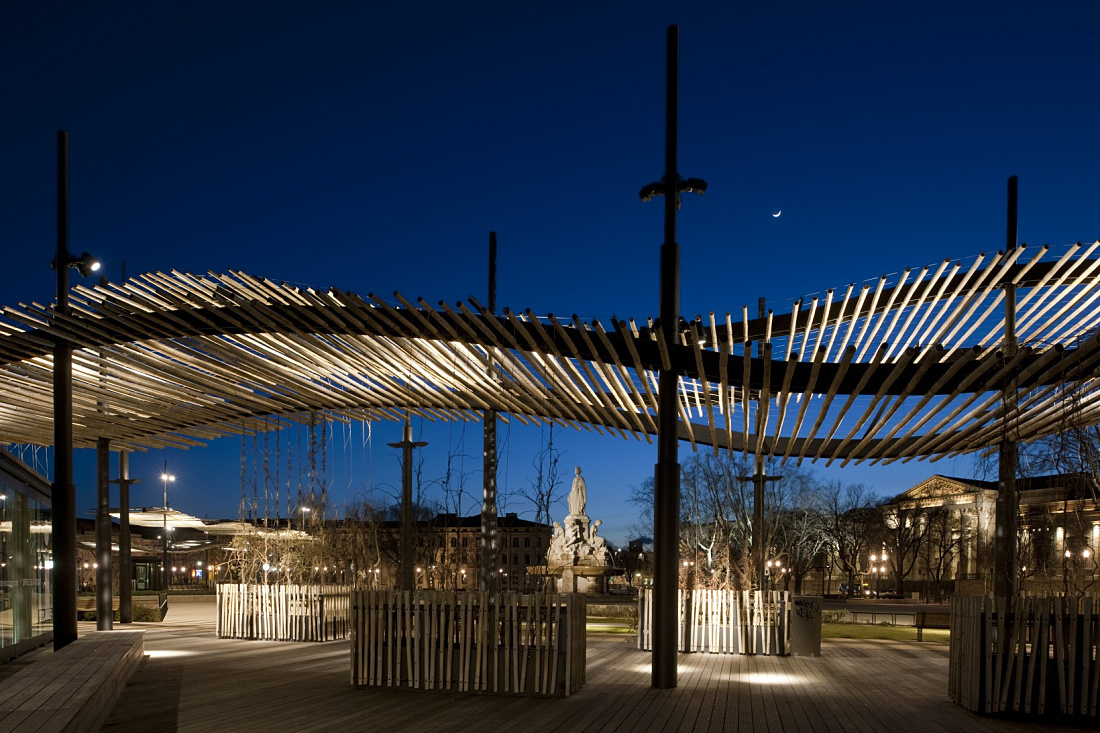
<point x="578" y="557"/>
<point x="578" y="496"/>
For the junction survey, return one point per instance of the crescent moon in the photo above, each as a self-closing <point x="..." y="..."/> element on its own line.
<point x="776" y="213"/>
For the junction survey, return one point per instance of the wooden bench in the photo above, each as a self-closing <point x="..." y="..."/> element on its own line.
<point x="75" y="688"/>
<point x="931" y="620"/>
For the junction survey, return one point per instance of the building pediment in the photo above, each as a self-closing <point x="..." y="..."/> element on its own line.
<point x="938" y="487"/>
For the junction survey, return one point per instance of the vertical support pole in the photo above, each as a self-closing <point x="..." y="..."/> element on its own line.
<point x="64" y="492"/>
<point x="759" y="474"/>
<point x="165" y="577"/>
<point x="125" y="564"/>
<point x="408" y="577"/>
<point x="104" y="616"/>
<point x="1005" y="560"/>
<point x="759" y="482"/>
<point x="406" y="573"/>
<point x="489" y="542"/>
<point x="666" y="500"/>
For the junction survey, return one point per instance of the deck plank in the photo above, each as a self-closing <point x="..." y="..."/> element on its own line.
<point x="196" y="682"/>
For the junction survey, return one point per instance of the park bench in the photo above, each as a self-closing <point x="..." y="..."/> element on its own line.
<point x="74" y="688"/>
<point x="931" y="620"/>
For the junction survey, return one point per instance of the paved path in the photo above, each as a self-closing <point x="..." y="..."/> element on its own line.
<point x="193" y="681"/>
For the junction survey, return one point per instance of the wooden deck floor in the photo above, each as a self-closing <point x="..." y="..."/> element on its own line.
<point x="193" y="681"/>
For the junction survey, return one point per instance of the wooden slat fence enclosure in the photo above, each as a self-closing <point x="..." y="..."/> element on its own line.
<point x="465" y="641"/>
<point x="283" y="612"/>
<point x="724" y="621"/>
<point x="1039" y="657"/>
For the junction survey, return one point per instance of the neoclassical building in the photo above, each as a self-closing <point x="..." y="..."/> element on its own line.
<point x="1059" y="531"/>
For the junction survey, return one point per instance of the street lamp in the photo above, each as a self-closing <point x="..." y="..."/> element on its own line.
<point x="878" y="571"/>
<point x="165" y="477"/>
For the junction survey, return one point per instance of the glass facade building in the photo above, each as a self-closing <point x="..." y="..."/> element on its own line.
<point x="26" y="598"/>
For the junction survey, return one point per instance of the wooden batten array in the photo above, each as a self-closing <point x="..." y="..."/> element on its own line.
<point x="283" y="612"/>
<point x="469" y="641"/>
<point x="1037" y="657"/>
<point x="724" y="621"/>
<point x="906" y="366"/>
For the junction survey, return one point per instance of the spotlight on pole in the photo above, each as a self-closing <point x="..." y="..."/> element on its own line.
<point x="85" y="264"/>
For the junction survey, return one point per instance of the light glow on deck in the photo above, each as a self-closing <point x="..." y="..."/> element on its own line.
<point x="167" y="653"/>
<point x="763" y="678"/>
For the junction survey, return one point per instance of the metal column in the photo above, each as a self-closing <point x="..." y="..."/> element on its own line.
<point x="104" y="616"/>
<point x="489" y="542"/>
<point x="666" y="499"/>
<point x="1005" y="560"/>
<point x="406" y="576"/>
<point x="64" y="492"/>
<point x="125" y="563"/>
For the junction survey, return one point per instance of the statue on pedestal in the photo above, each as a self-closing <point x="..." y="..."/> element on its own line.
<point x="577" y="556"/>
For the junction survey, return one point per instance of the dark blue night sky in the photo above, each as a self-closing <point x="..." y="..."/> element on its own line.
<point x="373" y="147"/>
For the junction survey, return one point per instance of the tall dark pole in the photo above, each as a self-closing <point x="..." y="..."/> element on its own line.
<point x="166" y="578"/>
<point x="104" y="616"/>
<point x="125" y="571"/>
<point x="406" y="575"/>
<point x="666" y="500"/>
<point x="1005" y="558"/>
<point x="488" y="577"/>
<point x="759" y="477"/>
<point x="64" y="492"/>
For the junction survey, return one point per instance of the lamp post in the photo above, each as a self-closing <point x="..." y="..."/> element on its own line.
<point x="165" y="477"/>
<point x="63" y="526"/>
<point x="877" y="571"/>
<point x="666" y="488"/>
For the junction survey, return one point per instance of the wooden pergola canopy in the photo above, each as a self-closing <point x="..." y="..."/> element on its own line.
<point x="910" y="365"/>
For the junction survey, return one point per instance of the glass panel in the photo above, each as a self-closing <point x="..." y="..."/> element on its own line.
<point x="41" y="578"/>
<point x="8" y="580"/>
<point x="26" y="606"/>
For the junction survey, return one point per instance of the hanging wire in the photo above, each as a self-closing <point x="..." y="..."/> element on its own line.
<point x="299" y="429"/>
<point x="278" y="465"/>
<point x="325" y="437"/>
<point x="312" y="457"/>
<point x="507" y="457"/>
<point x="244" y="474"/>
<point x="267" y="471"/>
<point x="368" y="452"/>
<point x="289" y="470"/>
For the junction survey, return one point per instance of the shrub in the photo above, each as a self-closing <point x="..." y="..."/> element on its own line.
<point x="141" y="614"/>
<point x="144" y="613"/>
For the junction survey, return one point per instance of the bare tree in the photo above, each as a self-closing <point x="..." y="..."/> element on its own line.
<point x="542" y="489"/>
<point x="905" y="531"/>
<point x="851" y="523"/>
<point x="801" y="531"/>
<point x="448" y="559"/>
<point x="941" y="544"/>
<point x="716" y="519"/>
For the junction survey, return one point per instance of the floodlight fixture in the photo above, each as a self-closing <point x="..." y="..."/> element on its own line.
<point x="660" y="188"/>
<point x="692" y="185"/>
<point x="651" y="191"/>
<point x="85" y="264"/>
